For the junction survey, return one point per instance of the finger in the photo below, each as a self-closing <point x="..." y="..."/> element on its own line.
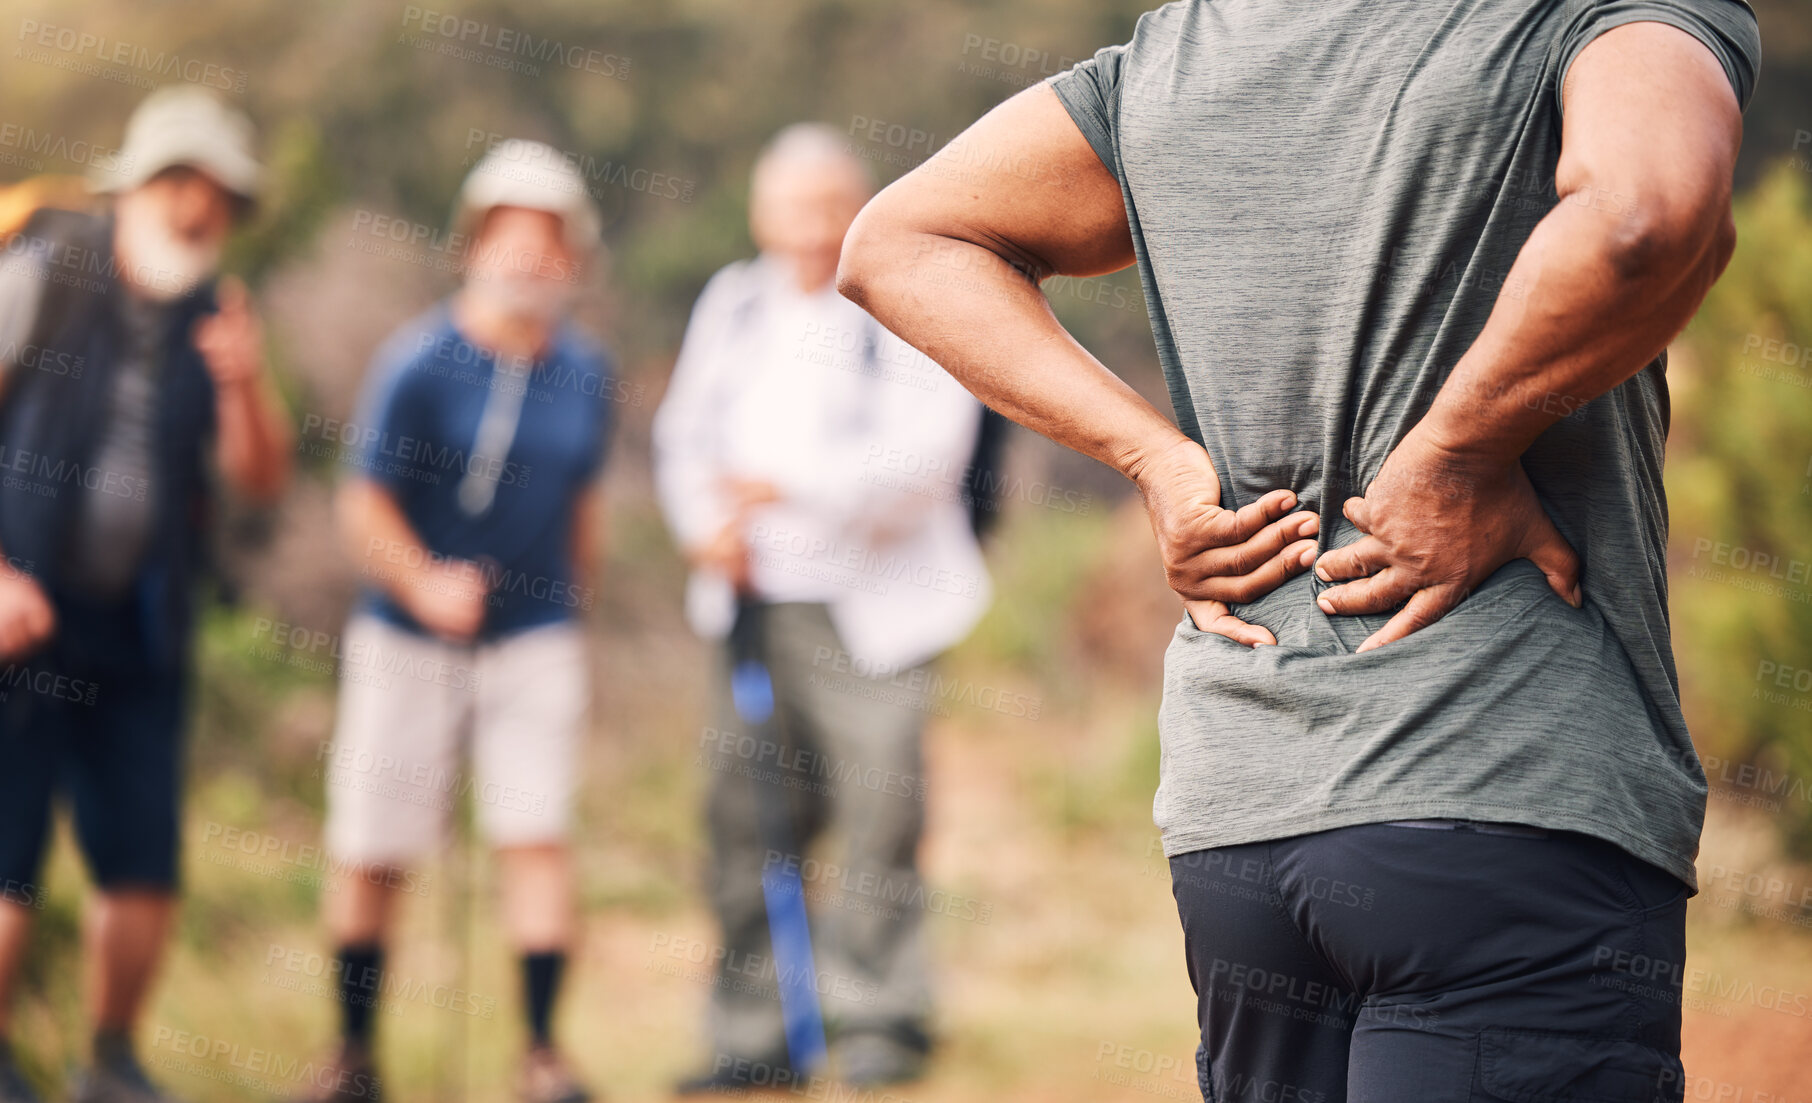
<point x="1422" y="610"/>
<point x="1558" y="561"/>
<point x="1387" y="589"/>
<point x="1212" y="617"/>
<point x="1364" y="556"/>
<point x="1234" y="526"/>
<point x="1249" y="555"/>
<point x="1359" y="512"/>
<point x="1289" y="562"/>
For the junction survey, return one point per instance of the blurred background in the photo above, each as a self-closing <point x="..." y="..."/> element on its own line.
<point x="1058" y="953"/>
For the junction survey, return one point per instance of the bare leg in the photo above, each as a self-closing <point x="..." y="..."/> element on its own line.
<point x="540" y="896"/>
<point x="126" y="932"/>
<point x="358" y="909"/>
<point x="15" y="931"/>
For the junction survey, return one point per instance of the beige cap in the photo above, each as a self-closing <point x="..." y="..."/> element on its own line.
<point x="535" y="176"/>
<point x="184" y="125"/>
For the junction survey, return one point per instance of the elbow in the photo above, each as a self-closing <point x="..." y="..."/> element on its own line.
<point x="867" y="250"/>
<point x="1665" y="241"/>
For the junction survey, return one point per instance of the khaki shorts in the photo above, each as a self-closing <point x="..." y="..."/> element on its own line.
<point x="409" y="704"/>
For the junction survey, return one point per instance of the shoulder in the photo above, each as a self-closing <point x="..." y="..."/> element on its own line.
<point x="732" y="286"/>
<point x="400" y="363"/>
<point x="418" y="342"/>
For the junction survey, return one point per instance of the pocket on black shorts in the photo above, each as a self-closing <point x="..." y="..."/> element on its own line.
<point x="1538" y="1066"/>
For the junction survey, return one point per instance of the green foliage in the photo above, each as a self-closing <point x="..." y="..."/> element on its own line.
<point x="1740" y="483"/>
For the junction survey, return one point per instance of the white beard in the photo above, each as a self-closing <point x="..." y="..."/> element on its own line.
<point x="527" y="298"/>
<point x="161" y="265"/>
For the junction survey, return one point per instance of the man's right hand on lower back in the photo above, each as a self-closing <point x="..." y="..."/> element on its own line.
<point x="1437" y="522"/>
<point x="1213" y="555"/>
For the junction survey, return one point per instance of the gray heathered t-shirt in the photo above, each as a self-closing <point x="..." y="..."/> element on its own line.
<point x="1326" y="198"/>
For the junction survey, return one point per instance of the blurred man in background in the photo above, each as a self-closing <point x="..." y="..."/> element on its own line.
<point x="124" y="375"/>
<point x="796" y="454"/>
<point x="473" y="518"/>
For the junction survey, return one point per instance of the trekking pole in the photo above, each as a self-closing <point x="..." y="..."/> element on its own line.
<point x="468" y="876"/>
<point x="782" y="887"/>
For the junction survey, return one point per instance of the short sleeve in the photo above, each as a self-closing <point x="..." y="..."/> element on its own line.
<point x="1727" y="28"/>
<point x="389" y="425"/>
<point x="1090" y="92"/>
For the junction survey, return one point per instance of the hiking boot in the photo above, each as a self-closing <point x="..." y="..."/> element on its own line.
<point x="739" y="1075"/>
<point x="545" y="1077"/>
<point x="13" y="1086"/>
<point x="347" y="1077"/>
<point x="118" y="1078"/>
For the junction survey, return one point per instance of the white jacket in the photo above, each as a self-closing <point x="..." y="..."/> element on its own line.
<point x="865" y="437"/>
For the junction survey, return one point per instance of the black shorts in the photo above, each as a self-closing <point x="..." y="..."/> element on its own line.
<point x="1391" y="964"/>
<point x="109" y="741"/>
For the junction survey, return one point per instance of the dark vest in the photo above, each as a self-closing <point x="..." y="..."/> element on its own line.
<point x="51" y="420"/>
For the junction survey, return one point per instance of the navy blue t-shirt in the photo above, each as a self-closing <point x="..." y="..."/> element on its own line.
<point x="416" y="428"/>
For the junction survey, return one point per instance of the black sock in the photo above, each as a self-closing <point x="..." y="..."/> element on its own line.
<point x="361" y="966"/>
<point x="540" y="984"/>
<point x="112" y="1046"/>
